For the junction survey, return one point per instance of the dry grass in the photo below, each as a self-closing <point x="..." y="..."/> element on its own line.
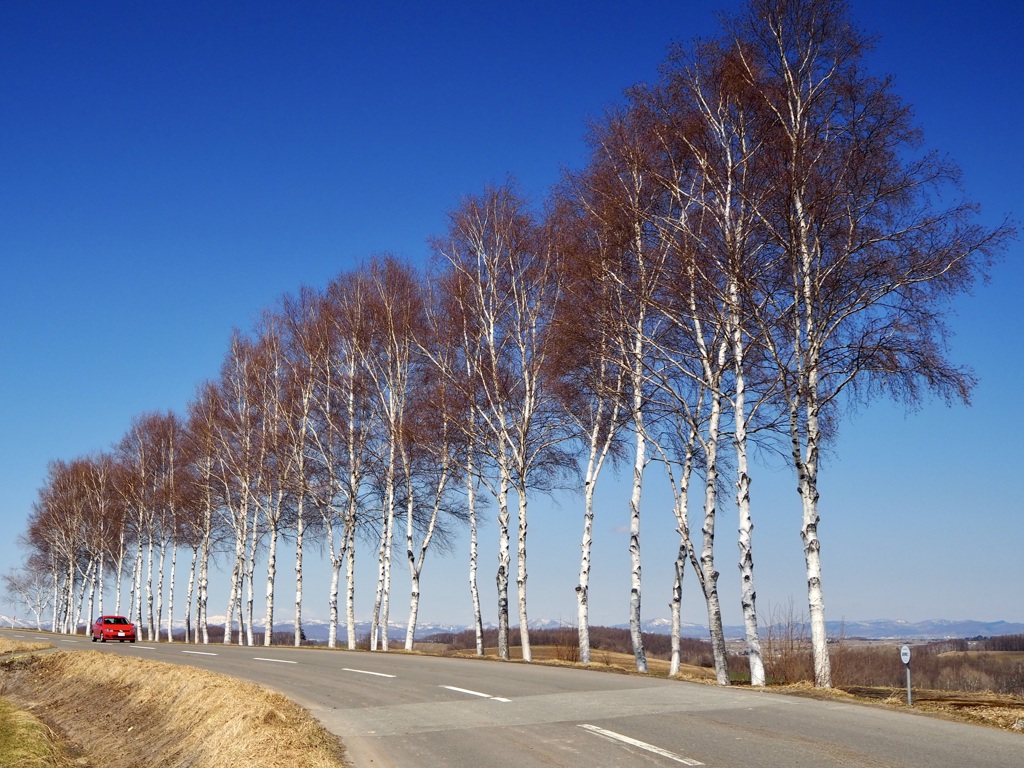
<point x="150" y="713"/>
<point x="13" y="646"/>
<point x="26" y="742"/>
<point x="997" y="710"/>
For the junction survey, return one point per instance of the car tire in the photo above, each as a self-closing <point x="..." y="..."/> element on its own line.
<point x="131" y="641"/>
<point x="94" y="638"/>
<point x="103" y="639"/>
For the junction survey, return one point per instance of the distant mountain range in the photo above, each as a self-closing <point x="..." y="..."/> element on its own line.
<point x="878" y="629"/>
<point x="881" y="629"/>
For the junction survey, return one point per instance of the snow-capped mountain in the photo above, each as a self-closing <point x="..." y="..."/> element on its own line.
<point x="878" y="629"/>
<point x="317" y="630"/>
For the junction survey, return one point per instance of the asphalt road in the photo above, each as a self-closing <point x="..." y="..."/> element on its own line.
<point x="410" y="711"/>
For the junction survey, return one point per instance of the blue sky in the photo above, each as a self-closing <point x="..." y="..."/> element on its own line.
<point x="169" y="170"/>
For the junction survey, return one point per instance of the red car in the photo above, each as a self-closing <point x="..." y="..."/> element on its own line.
<point x="113" y="628"/>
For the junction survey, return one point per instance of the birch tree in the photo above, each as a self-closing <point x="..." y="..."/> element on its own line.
<point x="591" y="380"/>
<point x="454" y="353"/>
<point x="875" y="238"/>
<point x="620" y="185"/>
<point x="106" y="520"/>
<point x="712" y="132"/>
<point x="31" y="585"/>
<point x="495" y="245"/>
<point x="341" y="435"/>
<point x="395" y="304"/>
<point x="430" y="466"/>
<point x="281" y="456"/>
<point x="202" y="446"/>
<point x="237" y="472"/>
<point x="306" y="346"/>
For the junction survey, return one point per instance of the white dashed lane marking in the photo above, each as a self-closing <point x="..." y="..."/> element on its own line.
<point x="613" y="736"/>
<point x="477" y="693"/>
<point x="365" y="672"/>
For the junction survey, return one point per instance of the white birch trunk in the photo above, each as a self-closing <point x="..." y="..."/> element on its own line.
<point x="234" y="587"/>
<point x="350" y="585"/>
<point x="92" y="599"/>
<point x="586" y="543"/>
<point x="250" y="584"/>
<point x="99" y="582"/>
<point x="337" y="556"/>
<point x="681" y="510"/>
<point x="159" y="612"/>
<point x="190" y="636"/>
<point x="87" y="586"/>
<point x="807" y="465"/>
<point x="149" y="586"/>
<point x="524" y="624"/>
<point x="384" y="554"/>
<point x="268" y="622"/>
<point x="56" y="598"/>
<point x="300" y="531"/>
<point x="170" y="593"/>
<point x="640" y="460"/>
<point x="120" y="569"/>
<point x="414" y="568"/>
<point x="707" y="557"/>
<point x="379" y="595"/>
<point x="385" y="606"/>
<point x="137" y="607"/>
<point x="416" y="564"/>
<point x="504" y="561"/>
<point x="203" y="594"/>
<point x="595" y="461"/>
<point x="808" y="487"/>
<point x="748" y="595"/>
<point x="746" y="564"/>
<point x="332" y="632"/>
<point x="676" y="610"/>
<point x="478" y="624"/>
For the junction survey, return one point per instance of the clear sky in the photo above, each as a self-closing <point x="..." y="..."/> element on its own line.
<point x="169" y="170"/>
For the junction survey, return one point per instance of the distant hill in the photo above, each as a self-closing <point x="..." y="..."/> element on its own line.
<point x="880" y="629"/>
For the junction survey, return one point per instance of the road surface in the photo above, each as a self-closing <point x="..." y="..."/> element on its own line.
<point x="408" y="711"/>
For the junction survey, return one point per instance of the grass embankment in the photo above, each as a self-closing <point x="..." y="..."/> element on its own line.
<point x="26" y="742"/>
<point x="151" y="713"/>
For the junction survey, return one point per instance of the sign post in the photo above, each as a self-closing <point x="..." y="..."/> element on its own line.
<point x="905" y="658"/>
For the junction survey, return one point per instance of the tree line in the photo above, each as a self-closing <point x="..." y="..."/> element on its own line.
<point x="757" y="239"/>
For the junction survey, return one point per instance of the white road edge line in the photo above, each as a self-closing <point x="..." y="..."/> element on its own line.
<point x="641" y="744"/>
<point x="200" y="653"/>
<point x="365" y="672"/>
<point x="477" y="693"/>
<point x="276" y="661"/>
<point x="143" y="647"/>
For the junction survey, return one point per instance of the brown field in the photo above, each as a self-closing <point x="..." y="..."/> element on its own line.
<point x="1006" y="657"/>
